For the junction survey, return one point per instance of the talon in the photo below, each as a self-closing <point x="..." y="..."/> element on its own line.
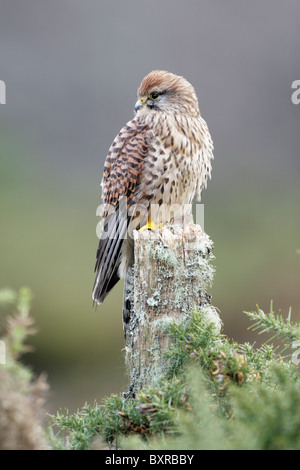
<point x="150" y="226"/>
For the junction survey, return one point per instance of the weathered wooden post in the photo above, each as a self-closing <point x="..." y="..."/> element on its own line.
<point x="170" y="278"/>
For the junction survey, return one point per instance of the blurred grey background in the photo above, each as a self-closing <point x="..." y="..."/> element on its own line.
<point x="71" y="70"/>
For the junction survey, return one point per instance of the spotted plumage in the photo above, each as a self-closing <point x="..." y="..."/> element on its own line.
<point x="161" y="158"/>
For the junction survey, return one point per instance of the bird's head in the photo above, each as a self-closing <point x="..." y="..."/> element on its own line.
<point x="164" y="91"/>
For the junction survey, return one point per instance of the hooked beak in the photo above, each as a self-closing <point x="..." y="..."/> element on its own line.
<point x="140" y="102"/>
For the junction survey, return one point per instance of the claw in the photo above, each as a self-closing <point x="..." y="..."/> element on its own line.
<point x="150" y="226"/>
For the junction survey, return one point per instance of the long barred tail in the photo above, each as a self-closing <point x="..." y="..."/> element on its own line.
<point x="109" y="253"/>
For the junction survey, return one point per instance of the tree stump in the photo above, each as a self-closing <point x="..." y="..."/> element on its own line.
<point x="169" y="279"/>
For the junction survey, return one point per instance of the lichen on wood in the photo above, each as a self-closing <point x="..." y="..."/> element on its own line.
<point x="171" y="276"/>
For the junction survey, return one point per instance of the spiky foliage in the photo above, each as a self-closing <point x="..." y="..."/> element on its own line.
<point x="21" y="394"/>
<point x="275" y="323"/>
<point x="217" y="394"/>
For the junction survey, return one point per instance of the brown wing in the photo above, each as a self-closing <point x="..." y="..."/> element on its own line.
<point x="122" y="175"/>
<point x="124" y="165"/>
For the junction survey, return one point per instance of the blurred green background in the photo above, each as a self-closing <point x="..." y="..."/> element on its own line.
<point x="71" y="70"/>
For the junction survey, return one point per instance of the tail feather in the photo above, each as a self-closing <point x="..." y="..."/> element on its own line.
<point x="109" y="255"/>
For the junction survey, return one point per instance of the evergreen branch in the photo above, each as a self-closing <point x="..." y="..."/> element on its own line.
<point x="271" y="322"/>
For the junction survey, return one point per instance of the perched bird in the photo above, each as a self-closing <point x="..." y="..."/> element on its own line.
<point x="162" y="157"/>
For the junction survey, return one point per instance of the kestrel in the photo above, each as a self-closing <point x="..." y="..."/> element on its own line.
<point x="162" y="157"/>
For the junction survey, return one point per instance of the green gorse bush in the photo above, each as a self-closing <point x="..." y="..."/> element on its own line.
<point x="216" y="394"/>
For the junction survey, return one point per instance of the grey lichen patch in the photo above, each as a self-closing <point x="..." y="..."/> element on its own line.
<point x="203" y="245"/>
<point x="203" y="276"/>
<point x="179" y="295"/>
<point x="167" y="274"/>
<point x="164" y="255"/>
<point x="190" y="274"/>
<point x="154" y="300"/>
<point x="162" y="324"/>
<point x="211" y="314"/>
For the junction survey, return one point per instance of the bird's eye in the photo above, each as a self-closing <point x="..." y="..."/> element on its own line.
<point x="154" y="95"/>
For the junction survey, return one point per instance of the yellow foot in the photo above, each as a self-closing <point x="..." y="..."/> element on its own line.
<point x="150" y="226"/>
